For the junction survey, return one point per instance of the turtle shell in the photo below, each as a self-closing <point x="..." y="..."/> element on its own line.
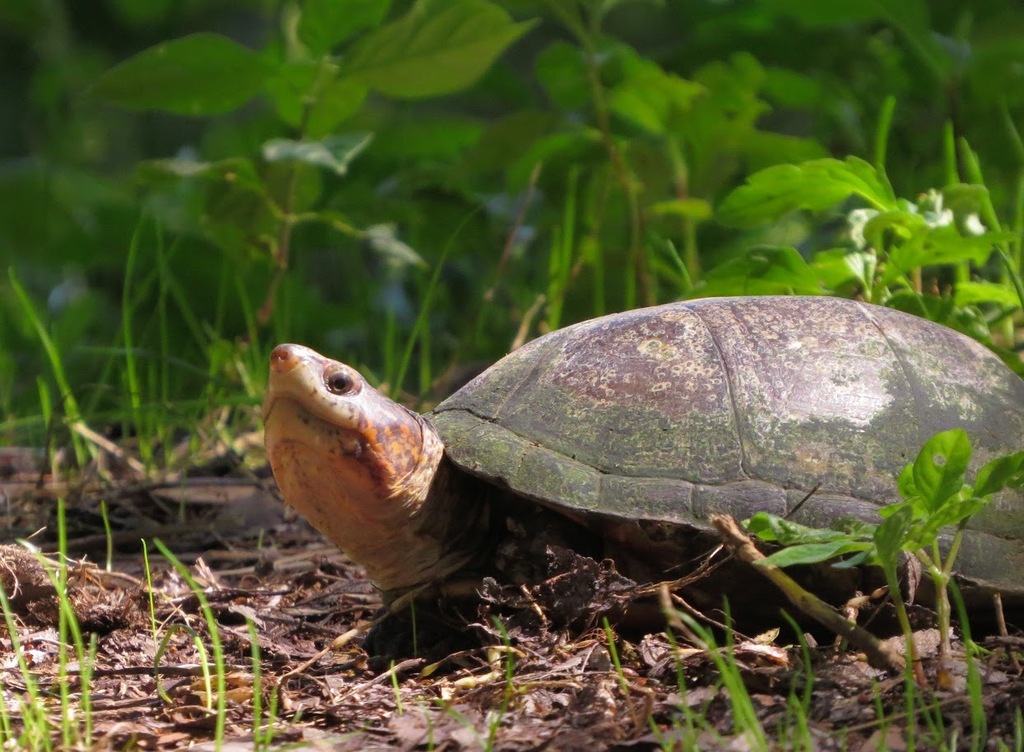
<point x="740" y="405"/>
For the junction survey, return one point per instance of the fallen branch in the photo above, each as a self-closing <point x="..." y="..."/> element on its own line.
<point x="878" y="654"/>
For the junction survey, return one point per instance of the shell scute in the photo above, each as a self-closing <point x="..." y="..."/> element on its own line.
<point x="739" y="405"/>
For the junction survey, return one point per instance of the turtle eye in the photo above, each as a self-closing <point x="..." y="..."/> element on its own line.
<point x="339" y="382"/>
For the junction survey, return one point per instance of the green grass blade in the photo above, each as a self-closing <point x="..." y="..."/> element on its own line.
<point x="71" y="411"/>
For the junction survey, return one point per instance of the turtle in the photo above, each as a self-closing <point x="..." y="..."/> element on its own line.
<point x="641" y="424"/>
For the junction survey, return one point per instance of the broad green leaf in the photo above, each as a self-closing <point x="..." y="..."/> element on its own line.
<point x="955" y="511"/>
<point x="1000" y="473"/>
<point x="840" y="266"/>
<point x="890" y="536"/>
<point x="774" y="529"/>
<point x="334" y="103"/>
<point x="326" y="23"/>
<point x="762" y="271"/>
<point x="973" y="293"/>
<point x="940" y="467"/>
<point x="814" y="553"/>
<point x="562" y="72"/>
<point x="814" y="186"/>
<point x="652" y="99"/>
<point x="309" y="94"/>
<point x="333" y="153"/>
<point x="943" y="245"/>
<point x="290" y="88"/>
<point x="965" y="198"/>
<point x="438" y="47"/>
<point x="905" y="484"/>
<point x="201" y="74"/>
<point x="890" y="228"/>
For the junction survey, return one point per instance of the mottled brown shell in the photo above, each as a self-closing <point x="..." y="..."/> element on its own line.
<point x="740" y="405"/>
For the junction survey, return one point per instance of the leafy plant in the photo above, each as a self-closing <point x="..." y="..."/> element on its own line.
<point x="936" y="498"/>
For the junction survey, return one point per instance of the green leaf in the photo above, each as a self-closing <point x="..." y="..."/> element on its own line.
<point x="813" y="186"/>
<point x="839" y="266"/>
<point x="940" y="467"/>
<point x="562" y="72"/>
<point x="334" y="153"/>
<point x="942" y="245"/>
<point x="201" y="74"/>
<point x="438" y="47"/>
<point x="290" y="86"/>
<point x="652" y="99"/>
<point x="814" y="553"/>
<point x="309" y="94"/>
<point x="326" y="23"/>
<point x="774" y="529"/>
<point x="762" y="271"/>
<point x="891" y="535"/>
<point x="1000" y="473"/>
<point x="905" y="483"/>
<point x="972" y="293"/>
<point x="955" y="511"/>
<point x="334" y="103"/>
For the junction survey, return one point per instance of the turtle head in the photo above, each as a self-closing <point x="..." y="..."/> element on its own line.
<point x="354" y="463"/>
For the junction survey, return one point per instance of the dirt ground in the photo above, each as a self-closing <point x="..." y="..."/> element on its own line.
<point x="529" y="680"/>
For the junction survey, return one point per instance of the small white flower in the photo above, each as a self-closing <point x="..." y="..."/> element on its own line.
<point x="857" y="219"/>
<point x="931" y="210"/>
<point x="973" y="225"/>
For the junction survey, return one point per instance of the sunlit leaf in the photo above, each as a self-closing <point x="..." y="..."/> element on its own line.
<point x="814" y="553"/>
<point x="1000" y="473"/>
<point x="814" y="186"/>
<point x="941" y="465"/>
<point x="975" y="292"/>
<point x="333" y="153"/>
<point x="890" y="535"/>
<point x="762" y="271"/>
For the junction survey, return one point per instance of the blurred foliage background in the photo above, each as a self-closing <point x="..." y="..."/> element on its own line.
<point x="414" y="186"/>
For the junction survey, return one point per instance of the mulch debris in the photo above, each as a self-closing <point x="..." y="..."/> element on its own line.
<point x="522" y="668"/>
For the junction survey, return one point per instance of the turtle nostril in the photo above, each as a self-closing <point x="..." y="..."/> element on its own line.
<point x="283" y="358"/>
